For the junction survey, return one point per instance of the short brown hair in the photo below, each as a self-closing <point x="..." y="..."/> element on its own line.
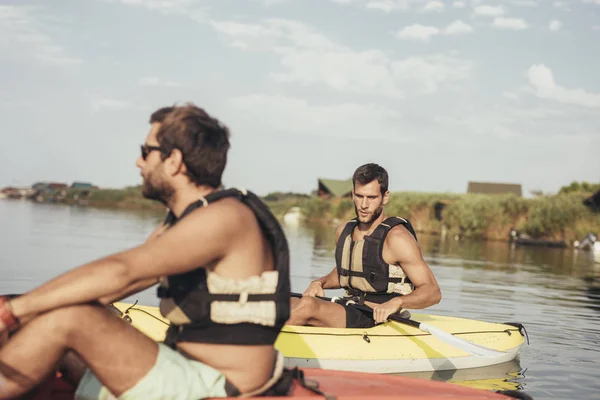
<point x="202" y="140"/>
<point x="368" y="173"/>
<point x="160" y="114"/>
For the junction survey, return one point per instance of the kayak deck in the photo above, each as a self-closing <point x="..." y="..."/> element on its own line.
<point x="392" y="347"/>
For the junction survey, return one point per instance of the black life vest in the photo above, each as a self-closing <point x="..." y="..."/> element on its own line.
<point x="361" y="268"/>
<point x="187" y="301"/>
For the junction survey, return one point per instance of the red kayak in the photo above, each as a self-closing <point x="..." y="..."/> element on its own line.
<point x="341" y="385"/>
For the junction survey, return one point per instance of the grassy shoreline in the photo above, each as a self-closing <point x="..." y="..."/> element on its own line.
<point x="488" y="217"/>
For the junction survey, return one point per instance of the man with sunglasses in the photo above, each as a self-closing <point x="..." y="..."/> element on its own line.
<point x="222" y="264"/>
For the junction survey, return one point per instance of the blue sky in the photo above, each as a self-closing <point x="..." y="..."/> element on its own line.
<point x="438" y="92"/>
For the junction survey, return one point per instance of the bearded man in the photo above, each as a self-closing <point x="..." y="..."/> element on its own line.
<point x="378" y="263"/>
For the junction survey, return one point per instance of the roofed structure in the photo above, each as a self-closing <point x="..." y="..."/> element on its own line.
<point x="334" y="188"/>
<point x="495" y="188"/>
<point x="82" y="185"/>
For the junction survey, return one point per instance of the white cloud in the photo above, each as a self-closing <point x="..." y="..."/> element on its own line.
<point x="510" y="95"/>
<point x="193" y="9"/>
<point x="429" y="73"/>
<point x="21" y="30"/>
<point x="555" y="25"/>
<point x="515" y="24"/>
<point x="424" y="33"/>
<point x="418" y="32"/>
<point x="459" y="4"/>
<point x="542" y="80"/>
<point x="597" y="2"/>
<point x="458" y="27"/>
<point x="166" y="6"/>
<point x="154" y="81"/>
<point x="309" y="58"/>
<point x="269" y="3"/>
<point x="596" y="27"/>
<point x="525" y="3"/>
<point x="489" y="11"/>
<point x="563" y="5"/>
<point x="345" y="120"/>
<point x="386" y="6"/>
<point x="98" y="103"/>
<point x="434" y="6"/>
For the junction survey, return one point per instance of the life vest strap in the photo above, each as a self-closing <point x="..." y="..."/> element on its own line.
<point x="371" y="276"/>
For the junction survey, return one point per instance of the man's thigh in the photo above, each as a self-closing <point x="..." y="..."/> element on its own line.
<point x="173" y="377"/>
<point x="356" y="318"/>
<point x="117" y="353"/>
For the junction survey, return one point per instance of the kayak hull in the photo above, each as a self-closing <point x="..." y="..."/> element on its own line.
<point x="395" y="348"/>
<point x="397" y="366"/>
<point x="387" y="348"/>
<point x="340" y="385"/>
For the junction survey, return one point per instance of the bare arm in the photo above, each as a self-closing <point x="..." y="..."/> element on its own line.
<point x="175" y="251"/>
<point x="329" y="281"/>
<point x="140" y="285"/>
<point x="401" y="248"/>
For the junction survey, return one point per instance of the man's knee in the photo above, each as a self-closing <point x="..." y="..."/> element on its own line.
<point x="69" y="318"/>
<point x="306" y="309"/>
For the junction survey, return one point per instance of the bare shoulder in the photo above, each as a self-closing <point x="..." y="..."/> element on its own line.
<point x="226" y="215"/>
<point x="399" y="235"/>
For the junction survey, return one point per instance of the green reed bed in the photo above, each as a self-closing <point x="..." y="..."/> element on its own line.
<point x="560" y="217"/>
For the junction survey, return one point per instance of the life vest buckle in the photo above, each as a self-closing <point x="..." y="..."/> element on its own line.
<point x="243" y="298"/>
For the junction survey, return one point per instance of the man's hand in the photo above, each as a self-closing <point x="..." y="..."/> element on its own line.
<point x="314" y="289"/>
<point x="381" y="312"/>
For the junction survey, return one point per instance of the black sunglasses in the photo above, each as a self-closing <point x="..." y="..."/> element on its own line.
<point x="146" y="149"/>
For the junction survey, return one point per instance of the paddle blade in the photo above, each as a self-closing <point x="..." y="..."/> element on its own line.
<point x="460" y="343"/>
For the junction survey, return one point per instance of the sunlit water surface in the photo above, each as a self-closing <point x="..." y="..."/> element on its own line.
<point x="555" y="293"/>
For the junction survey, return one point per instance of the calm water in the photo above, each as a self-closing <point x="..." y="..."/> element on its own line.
<point x="555" y="293"/>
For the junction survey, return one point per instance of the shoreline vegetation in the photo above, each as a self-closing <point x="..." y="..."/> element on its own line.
<point x="561" y="217"/>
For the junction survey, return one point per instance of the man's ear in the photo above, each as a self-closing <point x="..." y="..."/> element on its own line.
<point x="386" y="197"/>
<point x="174" y="163"/>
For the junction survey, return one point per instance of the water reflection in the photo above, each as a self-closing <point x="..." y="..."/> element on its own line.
<point x="555" y="293"/>
<point x="505" y="376"/>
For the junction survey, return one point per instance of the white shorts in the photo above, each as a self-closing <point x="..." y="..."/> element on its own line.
<point x="172" y="377"/>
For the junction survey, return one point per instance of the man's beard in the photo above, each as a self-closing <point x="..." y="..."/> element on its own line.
<point x="157" y="189"/>
<point x="373" y="216"/>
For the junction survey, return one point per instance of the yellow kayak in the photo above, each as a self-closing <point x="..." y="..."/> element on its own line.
<point x="392" y="347"/>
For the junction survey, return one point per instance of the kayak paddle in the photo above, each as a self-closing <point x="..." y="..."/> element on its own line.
<point x="442" y="335"/>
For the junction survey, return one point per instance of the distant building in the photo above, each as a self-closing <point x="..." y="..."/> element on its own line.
<point x="49" y="186"/>
<point x="334" y="188"/>
<point x="57" y="186"/>
<point x="15" y="192"/>
<point x="82" y="185"/>
<point x="495" y="188"/>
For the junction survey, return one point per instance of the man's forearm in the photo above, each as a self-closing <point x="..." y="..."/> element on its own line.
<point x="422" y="297"/>
<point x="87" y="283"/>
<point x="131" y="289"/>
<point x="330" y="281"/>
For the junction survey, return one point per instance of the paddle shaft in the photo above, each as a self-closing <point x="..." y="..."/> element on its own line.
<point x="362" y="307"/>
